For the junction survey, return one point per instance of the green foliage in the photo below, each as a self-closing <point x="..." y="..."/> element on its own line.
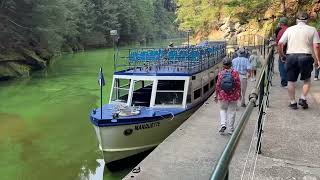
<point x="57" y="24"/>
<point x="206" y="14"/>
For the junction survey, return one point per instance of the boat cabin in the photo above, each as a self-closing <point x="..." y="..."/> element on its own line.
<point x="162" y="91"/>
<point x="150" y="91"/>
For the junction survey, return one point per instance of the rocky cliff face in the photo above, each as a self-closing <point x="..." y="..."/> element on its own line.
<point x="14" y="64"/>
<point x="262" y="23"/>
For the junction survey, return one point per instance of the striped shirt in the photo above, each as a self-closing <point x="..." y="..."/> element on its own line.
<point x="241" y="65"/>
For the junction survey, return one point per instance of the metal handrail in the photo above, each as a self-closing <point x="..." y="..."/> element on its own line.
<point x="260" y="91"/>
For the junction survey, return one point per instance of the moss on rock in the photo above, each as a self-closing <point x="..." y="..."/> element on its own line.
<point x="34" y="60"/>
<point x="11" y="55"/>
<point x="10" y="70"/>
<point x="19" y="63"/>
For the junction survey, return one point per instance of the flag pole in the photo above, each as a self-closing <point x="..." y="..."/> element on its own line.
<point x="101" y="84"/>
<point x="101" y="101"/>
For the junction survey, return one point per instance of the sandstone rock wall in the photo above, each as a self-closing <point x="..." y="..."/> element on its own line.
<point x="14" y="64"/>
<point x="264" y="25"/>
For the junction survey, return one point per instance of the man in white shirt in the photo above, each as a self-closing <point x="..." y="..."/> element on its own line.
<point x="303" y="44"/>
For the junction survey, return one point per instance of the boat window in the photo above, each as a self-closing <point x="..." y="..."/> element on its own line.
<point x="197" y="94"/>
<point x="170" y="92"/>
<point x="171" y="85"/>
<point x="142" y="93"/>
<point x="205" y="88"/>
<point x="211" y="83"/>
<point x="121" y="90"/>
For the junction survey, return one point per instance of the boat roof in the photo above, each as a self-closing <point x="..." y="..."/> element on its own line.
<point x="156" y="72"/>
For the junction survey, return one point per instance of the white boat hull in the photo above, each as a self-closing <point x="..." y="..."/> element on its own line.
<point x="115" y="145"/>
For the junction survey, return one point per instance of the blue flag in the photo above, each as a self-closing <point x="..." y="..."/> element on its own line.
<point x="101" y="78"/>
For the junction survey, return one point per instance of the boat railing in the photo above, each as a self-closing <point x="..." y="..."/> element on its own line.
<point x="180" y="59"/>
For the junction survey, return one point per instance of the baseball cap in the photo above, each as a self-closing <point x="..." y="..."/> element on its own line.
<point x="241" y="51"/>
<point x="283" y="20"/>
<point x="302" y="15"/>
<point x="227" y="62"/>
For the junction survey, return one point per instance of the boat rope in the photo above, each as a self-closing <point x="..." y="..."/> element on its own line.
<point x="172" y="115"/>
<point x="136" y="170"/>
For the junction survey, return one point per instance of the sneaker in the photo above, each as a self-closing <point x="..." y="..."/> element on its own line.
<point x="316" y="79"/>
<point x="303" y="103"/>
<point x="286" y="87"/>
<point x="230" y="132"/>
<point x="223" y="128"/>
<point x="293" y="106"/>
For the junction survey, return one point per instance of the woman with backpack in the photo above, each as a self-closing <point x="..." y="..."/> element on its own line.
<point x="228" y="90"/>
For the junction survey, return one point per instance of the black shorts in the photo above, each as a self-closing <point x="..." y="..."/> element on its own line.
<point x="299" y="64"/>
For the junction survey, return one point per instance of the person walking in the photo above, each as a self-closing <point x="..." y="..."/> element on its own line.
<point x="227" y="93"/>
<point x="242" y="65"/>
<point x="316" y="68"/>
<point x="254" y="63"/>
<point x="247" y="53"/>
<point x="283" y="25"/>
<point x="302" y="41"/>
<point x="235" y="53"/>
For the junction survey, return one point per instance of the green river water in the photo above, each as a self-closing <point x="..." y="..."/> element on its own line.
<point x="45" y="132"/>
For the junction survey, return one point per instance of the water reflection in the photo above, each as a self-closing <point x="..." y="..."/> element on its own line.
<point x="87" y="174"/>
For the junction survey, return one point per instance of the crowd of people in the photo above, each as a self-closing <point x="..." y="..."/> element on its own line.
<point x="299" y="54"/>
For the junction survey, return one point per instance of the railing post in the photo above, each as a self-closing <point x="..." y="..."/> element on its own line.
<point x="188" y="59"/>
<point x="269" y="74"/>
<point x="227" y="175"/>
<point x="264" y="49"/>
<point x="261" y="111"/>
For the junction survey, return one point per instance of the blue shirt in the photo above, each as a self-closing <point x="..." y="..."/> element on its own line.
<point x="241" y="65"/>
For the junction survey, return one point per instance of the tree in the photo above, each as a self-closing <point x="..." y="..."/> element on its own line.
<point x="57" y="24"/>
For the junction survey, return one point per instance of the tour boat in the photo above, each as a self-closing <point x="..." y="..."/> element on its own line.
<point x="156" y="90"/>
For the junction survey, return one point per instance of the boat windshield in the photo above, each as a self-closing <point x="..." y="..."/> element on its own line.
<point x="170" y="92"/>
<point x="141" y="95"/>
<point x="121" y="89"/>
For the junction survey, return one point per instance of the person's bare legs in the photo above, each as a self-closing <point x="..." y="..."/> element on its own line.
<point x="292" y="91"/>
<point x="306" y="88"/>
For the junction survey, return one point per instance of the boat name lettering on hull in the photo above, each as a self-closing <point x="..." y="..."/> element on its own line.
<point x="146" y="126"/>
